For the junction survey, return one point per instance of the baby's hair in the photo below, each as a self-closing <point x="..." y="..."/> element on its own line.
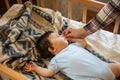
<point x="42" y="45"/>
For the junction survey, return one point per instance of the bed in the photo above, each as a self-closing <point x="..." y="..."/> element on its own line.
<point x="14" y="24"/>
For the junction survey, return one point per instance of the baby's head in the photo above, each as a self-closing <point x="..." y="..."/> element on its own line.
<point x="50" y="43"/>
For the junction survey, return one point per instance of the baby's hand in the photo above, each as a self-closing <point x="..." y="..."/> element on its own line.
<point x="31" y="66"/>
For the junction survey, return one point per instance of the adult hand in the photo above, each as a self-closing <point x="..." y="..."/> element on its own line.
<point x="75" y="33"/>
<point x="82" y="41"/>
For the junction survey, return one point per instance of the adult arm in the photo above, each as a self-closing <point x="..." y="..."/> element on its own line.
<point x="103" y="18"/>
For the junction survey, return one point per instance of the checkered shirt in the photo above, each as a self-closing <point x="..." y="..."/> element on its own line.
<point x="104" y="17"/>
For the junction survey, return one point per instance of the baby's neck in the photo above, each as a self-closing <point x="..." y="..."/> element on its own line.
<point x="58" y="50"/>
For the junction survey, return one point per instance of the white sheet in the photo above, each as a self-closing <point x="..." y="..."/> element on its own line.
<point x="104" y="42"/>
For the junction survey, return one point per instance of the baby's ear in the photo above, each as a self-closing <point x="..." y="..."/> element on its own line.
<point x="51" y="49"/>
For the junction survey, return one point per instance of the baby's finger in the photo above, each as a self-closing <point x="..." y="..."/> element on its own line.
<point x="27" y="64"/>
<point x="28" y="70"/>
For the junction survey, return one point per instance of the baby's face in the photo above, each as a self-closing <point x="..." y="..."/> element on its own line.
<point x="57" y="41"/>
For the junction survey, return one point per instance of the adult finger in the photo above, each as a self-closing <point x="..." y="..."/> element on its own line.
<point x="67" y="31"/>
<point x="72" y="39"/>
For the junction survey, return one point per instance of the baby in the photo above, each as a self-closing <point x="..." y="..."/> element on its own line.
<point x="71" y="59"/>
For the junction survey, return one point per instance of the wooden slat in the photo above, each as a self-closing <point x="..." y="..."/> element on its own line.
<point x="31" y="1"/>
<point x="55" y="4"/>
<point x="117" y="25"/>
<point x="7" y="4"/>
<point x="19" y="1"/>
<point x="91" y="3"/>
<point x="84" y="14"/>
<point x="70" y="9"/>
<point x="38" y="2"/>
<point x="11" y="73"/>
<point x="42" y="3"/>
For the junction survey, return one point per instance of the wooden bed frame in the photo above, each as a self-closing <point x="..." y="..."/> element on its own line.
<point x="85" y="3"/>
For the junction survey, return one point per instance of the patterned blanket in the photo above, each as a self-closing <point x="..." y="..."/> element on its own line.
<point x="19" y="35"/>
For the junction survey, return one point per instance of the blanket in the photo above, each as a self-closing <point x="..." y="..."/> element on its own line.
<point x="19" y="35"/>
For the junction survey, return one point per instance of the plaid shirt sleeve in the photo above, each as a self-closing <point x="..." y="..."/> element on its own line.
<point x="104" y="17"/>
